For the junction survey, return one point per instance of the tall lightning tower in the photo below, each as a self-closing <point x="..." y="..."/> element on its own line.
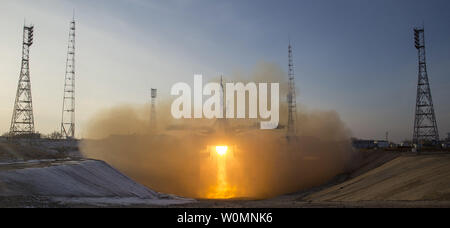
<point x="153" y="109"/>
<point x="68" y="109"/>
<point x="22" y="122"/>
<point x="425" y="126"/>
<point x="292" y="104"/>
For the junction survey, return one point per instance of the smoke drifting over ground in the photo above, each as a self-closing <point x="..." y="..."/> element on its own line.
<point x="177" y="158"/>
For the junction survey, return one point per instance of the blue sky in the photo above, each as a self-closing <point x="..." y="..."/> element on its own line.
<point x="353" y="56"/>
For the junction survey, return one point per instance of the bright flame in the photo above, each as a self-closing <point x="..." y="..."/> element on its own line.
<point x="221" y="150"/>
<point x="222" y="189"/>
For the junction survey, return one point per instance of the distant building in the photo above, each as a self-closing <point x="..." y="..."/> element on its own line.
<point x="363" y="144"/>
<point x="382" y="144"/>
<point x="446" y="143"/>
<point x="369" y="144"/>
<point x="405" y="144"/>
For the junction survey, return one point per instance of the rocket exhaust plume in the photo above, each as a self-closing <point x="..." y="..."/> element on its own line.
<point x="199" y="158"/>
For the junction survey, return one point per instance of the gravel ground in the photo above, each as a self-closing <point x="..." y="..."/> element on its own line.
<point x="47" y="202"/>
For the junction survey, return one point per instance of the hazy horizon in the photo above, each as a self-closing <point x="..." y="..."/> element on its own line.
<point x="353" y="56"/>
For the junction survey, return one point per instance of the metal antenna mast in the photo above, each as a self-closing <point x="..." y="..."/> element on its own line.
<point x="68" y="110"/>
<point x="153" y="111"/>
<point x="292" y="104"/>
<point x="425" y="126"/>
<point x="22" y="122"/>
<point x="222" y="86"/>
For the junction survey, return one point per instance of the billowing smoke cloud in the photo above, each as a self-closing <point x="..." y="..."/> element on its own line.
<point x="179" y="157"/>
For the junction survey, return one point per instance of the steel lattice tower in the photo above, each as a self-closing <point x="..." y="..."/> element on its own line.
<point x="22" y="122"/>
<point x="292" y="104"/>
<point x="68" y="110"/>
<point x="425" y="126"/>
<point x="153" y="109"/>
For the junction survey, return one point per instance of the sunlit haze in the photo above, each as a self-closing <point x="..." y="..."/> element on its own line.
<point x="355" y="57"/>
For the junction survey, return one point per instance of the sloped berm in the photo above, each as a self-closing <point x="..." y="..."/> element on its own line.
<point x="80" y="182"/>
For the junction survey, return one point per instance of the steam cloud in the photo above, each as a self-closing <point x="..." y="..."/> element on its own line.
<point x="173" y="158"/>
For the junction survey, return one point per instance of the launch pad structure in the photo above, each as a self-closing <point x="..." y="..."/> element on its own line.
<point x="153" y="94"/>
<point x="425" y="125"/>
<point x="68" y="109"/>
<point x="291" y="98"/>
<point x="22" y="121"/>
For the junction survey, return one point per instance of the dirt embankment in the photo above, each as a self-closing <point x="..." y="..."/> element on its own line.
<point x="61" y="183"/>
<point x="378" y="179"/>
<point x="405" y="178"/>
<point x="45" y="173"/>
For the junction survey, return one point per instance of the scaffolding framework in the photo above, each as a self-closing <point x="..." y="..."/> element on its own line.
<point x="68" y="109"/>
<point x="22" y="121"/>
<point x="425" y="126"/>
<point x="291" y="98"/>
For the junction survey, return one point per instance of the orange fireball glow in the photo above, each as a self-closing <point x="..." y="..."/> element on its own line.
<point x="221" y="150"/>
<point x="222" y="188"/>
